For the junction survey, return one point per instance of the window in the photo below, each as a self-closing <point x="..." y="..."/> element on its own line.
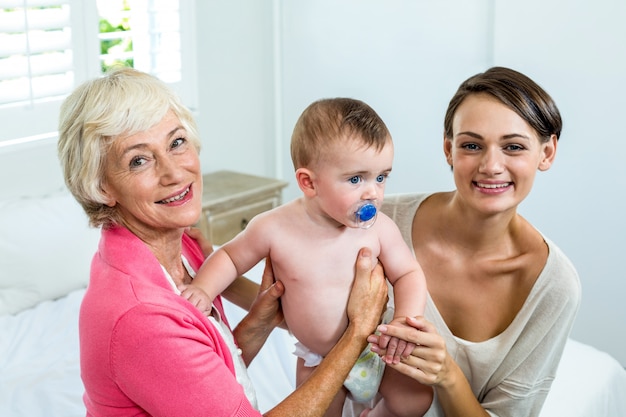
<point x="36" y="65"/>
<point x="35" y="46"/>
<point x="47" y="47"/>
<point x="148" y="35"/>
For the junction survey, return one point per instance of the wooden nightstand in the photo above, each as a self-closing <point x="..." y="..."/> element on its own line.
<point x="231" y="199"/>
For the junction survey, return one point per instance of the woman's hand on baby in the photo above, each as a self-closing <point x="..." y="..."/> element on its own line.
<point x="429" y="362"/>
<point x="368" y="295"/>
<point x="266" y="307"/>
<point x="395" y="348"/>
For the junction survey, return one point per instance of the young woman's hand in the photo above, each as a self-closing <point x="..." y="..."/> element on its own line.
<point x="430" y="364"/>
<point x="395" y="348"/>
<point x="427" y="362"/>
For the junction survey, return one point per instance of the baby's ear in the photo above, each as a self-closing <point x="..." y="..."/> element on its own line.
<point x="305" y="179"/>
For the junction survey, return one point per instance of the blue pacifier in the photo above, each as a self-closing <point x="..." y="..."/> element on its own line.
<point x="365" y="214"/>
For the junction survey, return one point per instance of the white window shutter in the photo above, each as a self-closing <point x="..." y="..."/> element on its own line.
<point x="35" y="51"/>
<point x="164" y="43"/>
<point x="40" y="63"/>
<point x="47" y="47"/>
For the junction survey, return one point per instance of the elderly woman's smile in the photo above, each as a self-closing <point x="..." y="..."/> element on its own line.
<point x="154" y="177"/>
<point x="177" y="198"/>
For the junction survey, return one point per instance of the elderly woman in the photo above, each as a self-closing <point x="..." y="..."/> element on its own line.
<point x="129" y="152"/>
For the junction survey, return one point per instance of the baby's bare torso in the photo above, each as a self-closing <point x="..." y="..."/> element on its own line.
<point x="317" y="264"/>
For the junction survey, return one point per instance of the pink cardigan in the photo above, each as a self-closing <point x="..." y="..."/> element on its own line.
<point x="145" y="350"/>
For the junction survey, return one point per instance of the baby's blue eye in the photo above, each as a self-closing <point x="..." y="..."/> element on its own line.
<point x="380" y="178"/>
<point x="355" y="180"/>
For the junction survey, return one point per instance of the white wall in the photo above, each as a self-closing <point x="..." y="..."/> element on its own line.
<point x="236" y="90"/>
<point x="577" y="50"/>
<point x="30" y="169"/>
<point x="406" y="58"/>
<point x="395" y="57"/>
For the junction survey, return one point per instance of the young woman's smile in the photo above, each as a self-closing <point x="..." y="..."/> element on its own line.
<point x="493" y="187"/>
<point x="494" y="153"/>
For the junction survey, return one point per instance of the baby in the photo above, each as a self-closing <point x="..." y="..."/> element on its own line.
<point x="342" y="153"/>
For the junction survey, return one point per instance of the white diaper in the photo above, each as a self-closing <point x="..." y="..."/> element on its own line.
<point x="364" y="377"/>
<point x="311" y="359"/>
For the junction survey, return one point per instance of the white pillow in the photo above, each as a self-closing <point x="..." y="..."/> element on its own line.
<point x="46" y="247"/>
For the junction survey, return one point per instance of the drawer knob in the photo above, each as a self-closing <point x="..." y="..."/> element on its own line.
<point x="244" y="223"/>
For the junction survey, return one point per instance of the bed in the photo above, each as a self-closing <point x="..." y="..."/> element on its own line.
<point x="45" y="248"/>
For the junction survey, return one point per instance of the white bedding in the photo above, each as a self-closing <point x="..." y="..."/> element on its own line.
<point x="39" y="370"/>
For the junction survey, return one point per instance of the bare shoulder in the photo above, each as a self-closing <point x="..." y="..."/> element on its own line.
<point x="429" y="215"/>
<point x="277" y="216"/>
<point x="385" y="227"/>
<point x="528" y="239"/>
<point x="433" y="203"/>
<point x="392" y="242"/>
<point x="265" y="233"/>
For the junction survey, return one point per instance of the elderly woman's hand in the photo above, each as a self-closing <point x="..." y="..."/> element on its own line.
<point x="368" y="296"/>
<point x="267" y="307"/>
<point x="264" y="315"/>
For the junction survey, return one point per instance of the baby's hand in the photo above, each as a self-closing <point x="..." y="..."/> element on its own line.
<point x="398" y="348"/>
<point x="197" y="297"/>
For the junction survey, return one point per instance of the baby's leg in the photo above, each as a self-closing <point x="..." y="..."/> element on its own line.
<point x="336" y="406"/>
<point x="402" y="396"/>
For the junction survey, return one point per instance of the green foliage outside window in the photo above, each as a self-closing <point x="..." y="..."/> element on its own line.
<point x="118" y="46"/>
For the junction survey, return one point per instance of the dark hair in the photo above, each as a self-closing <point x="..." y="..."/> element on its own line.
<point x="331" y="120"/>
<point x="516" y="91"/>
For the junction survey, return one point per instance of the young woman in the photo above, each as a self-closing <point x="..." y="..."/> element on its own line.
<point x="502" y="296"/>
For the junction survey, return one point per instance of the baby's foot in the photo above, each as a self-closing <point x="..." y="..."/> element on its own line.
<point x="365" y="412"/>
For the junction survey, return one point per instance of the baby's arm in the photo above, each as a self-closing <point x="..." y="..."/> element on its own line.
<point x="225" y="264"/>
<point x="213" y="277"/>
<point x="407" y="298"/>
<point x="409" y="284"/>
